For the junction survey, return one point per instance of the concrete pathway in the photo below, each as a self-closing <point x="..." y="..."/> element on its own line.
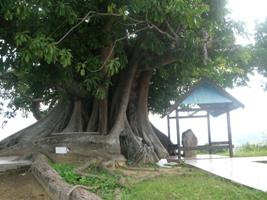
<point x="246" y="171"/>
<point x="12" y="162"/>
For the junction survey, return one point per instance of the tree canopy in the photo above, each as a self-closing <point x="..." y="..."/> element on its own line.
<point x="260" y="48"/>
<point x="46" y="45"/>
<point x="105" y="55"/>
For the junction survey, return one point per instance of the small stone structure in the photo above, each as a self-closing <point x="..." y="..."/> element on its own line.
<point x="189" y="140"/>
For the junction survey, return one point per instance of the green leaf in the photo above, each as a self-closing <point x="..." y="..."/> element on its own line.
<point x="21" y="38"/>
<point x="65" y="57"/>
<point x="8" y="15"/>
<point x="82" y="72"/>
<point x="26" y="56"/>
<point x="111" y="7"/>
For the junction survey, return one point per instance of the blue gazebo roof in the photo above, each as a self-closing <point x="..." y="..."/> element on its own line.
<point x="205" y="94"/>
<point x="208" y="96"/>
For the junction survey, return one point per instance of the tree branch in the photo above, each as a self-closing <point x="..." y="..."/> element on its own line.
<point x="113" y="47"/>
<point x="91" y="14"/>
<point x="35" y="108"/>
<point x="74" y="27"/>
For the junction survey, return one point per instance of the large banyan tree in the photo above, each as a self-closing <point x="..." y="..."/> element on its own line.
<point x="100" y="66"/>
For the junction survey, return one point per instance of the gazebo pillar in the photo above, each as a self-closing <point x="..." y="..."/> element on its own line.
<point x="168" y="126"/>
<point x="229" y="134"/>
<point x="178" y="133"/>
<point x="209" y="132"/>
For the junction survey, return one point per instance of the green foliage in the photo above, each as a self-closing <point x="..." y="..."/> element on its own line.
<point x="65" y="57"/>
<point x="99" y="180"/>
<point x="113" y="67"/>
<point x="47" y="44"/>
<point x="21" y="38"/>
<point x="66" y="171"/>
<point x="260" y="49"/>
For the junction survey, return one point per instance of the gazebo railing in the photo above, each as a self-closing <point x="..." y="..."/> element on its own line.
<point x="214" y="146"/>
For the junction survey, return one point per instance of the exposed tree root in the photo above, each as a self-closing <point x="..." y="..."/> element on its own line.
<point x="128" y="130"/>
<point x="54" y="122"/>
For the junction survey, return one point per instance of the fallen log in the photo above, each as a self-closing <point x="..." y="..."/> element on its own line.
<point x="54" y="185"/>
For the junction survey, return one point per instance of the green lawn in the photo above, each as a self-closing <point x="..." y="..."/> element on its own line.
<point x="190" y="184"/>
<point x="197" y="185"/>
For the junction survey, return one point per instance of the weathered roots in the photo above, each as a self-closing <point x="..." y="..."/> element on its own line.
<point x="124" y="127"/>
<point x="139" y="143"/>
<point x="165" y="141"/>
<point x="54" y="122"/>
<point x="137" y="149"/>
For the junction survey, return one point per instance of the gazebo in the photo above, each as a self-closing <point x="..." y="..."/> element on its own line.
<point x="212" y="100"/>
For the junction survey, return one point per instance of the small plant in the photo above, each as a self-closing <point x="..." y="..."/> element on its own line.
<point x="66" y="172"/>
<point x="98" y="179"/>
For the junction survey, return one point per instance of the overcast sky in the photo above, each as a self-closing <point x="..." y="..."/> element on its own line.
<point x="246" y="121"/>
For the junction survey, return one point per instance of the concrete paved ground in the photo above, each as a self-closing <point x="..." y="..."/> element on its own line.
<point x="12" y="162"/>
<point x="245" y="171"/>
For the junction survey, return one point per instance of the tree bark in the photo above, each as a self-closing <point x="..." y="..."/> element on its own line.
<point x="75" y="124"/>
<point x="139" y="143"/>
<point x="93" y="121"/>
<point x="35" y="108"/>
<point x="122" y="95"/>
<point x="103" y="117"/>
<point x="142" y="113"/>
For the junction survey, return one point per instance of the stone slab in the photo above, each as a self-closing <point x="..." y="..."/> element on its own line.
<point x="246" y="171"/>
<point x="11" y="163"/>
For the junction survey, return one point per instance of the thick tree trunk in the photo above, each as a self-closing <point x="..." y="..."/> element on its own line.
<point x="75" y="124"/>
<point x="129" y="129"/>
<point x="140" y="142"/>
<point x="121" y="97"/>
<point x="142" y="112"/>
<point x="93" y="120"/>
<point x="103" y="117"/>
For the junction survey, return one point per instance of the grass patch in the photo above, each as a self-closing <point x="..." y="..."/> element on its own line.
<point x="251" y="150"/>
<point x="187" y="183"/>
<point x="102" y="182"/>
<point x="193" y="185"/>
<point x="247" y="150"/>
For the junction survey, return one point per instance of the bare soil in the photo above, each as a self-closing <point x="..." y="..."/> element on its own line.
<point x="20" y="186"/>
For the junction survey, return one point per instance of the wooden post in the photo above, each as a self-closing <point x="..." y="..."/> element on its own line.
<point x="178" y="134"/>
<point x="209" y="133"/>
<point x="229" y="134"/>
<point x="168" y="125"/>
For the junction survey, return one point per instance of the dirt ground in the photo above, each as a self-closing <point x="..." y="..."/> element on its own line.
<point x="20" y="186"/>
